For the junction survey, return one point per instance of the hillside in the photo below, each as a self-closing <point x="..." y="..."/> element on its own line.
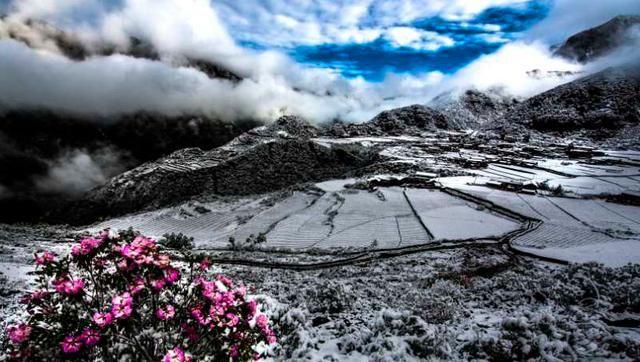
<point x="607" y="99"/>
<point x="596" y="42"/>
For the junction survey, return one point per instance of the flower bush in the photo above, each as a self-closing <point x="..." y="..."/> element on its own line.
<point x="118" y="297"/>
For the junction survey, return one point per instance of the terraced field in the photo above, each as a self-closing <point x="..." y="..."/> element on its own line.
<point x="572" y="229"/>
<point x="390" y="217"/>
<point x="332" y="216"/>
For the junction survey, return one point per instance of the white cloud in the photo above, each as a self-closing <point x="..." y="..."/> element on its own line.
<point x="402" y="36"/>
<point x="79" y="170"/>
<point x="465" y="9"/>
<point x="287" y="24"/>
<point x="43" y="8"/>
<point x="189" y="27"/>
<point x="63" y="12"/>
<point x="507" y="68"/>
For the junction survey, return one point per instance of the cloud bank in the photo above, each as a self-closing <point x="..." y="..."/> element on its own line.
<point x="273" y="83"/>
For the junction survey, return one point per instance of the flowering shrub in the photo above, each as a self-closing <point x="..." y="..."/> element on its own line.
<point x="118" y="297"/>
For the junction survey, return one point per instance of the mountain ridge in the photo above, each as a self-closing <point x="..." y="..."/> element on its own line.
<point x="598" y="41"/>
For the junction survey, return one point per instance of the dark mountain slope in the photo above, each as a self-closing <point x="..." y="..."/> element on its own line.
<point x="231" y="170"/>
<point x="609" y="99"/>
<point x="596" y="42"/>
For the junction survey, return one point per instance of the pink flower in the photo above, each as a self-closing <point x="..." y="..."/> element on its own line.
<point x="138" y="249"/>
<point x="124" y="299"/>
<point x="176" y="355"/>
<point x="171" y="275"/>
<point x="44" y="258"/>
<point x="167" y="313"/>
<point x="225" y="299"/>
<point x="226" y="281"/>
<point x="234" y="351"/>
<point x="252" y="306"/>
<point x="158" y="284"/>
<point x="233" y="320"/>
<point x="130" y="251"/>
<point x="199" y="316"/>
<point x="209" y="289"/>
<point x="121" y="311"/>
<point x="205" y="264"/>
<point x="262" y="321"/>
<point x="89" y="244"/>
<point x="162" y="261"/>
<point x="90" y="337"/>
<point x="137" y="286"/>
<point x="73" y="287"/>
<point x="271" y="338"/>
<point x="86" y="246"/>
<point x="69" y="286"/>
<point x="19" y="333"/>
<point x="217" y="311"/>
<point x="122" y="306"/>
<point x="76" y="250"/>
<point x="143" y="242"/>
<point x="71" y="344"/>
<point x="102" y="319"/>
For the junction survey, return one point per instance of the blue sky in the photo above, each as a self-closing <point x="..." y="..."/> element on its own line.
<point x="438" y="41"/>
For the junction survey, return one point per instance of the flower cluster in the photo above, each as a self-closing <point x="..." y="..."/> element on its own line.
<point x="68" y="286"/>
<point x="44" y="258"/>
<point x="116" y="290"/>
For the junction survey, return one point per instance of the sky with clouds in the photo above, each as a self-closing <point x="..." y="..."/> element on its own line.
<point x="321" y="59"/>
<point x="371" y="38"/>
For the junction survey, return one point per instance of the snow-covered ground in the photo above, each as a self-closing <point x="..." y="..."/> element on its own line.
<point x="435" y="262"/>
<point x="461" y="304"/>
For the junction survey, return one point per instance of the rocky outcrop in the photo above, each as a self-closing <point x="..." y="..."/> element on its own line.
<point x="596" y="42"/>
<point x="412" y="120"/>
<point x="605" y="100"/>
<point x="290" y="127"/>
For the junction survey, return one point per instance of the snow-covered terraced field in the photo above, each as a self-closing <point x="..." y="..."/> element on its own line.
<point x="448" y="217"/>
<point x="390" y="217"/>
<point x="577" y="168"/>
<point x="576" y="230"/>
